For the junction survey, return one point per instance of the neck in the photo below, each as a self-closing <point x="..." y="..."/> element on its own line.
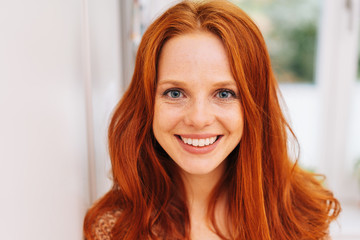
<point x="199" y="187"/>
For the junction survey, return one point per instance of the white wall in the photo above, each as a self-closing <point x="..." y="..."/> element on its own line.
<point x="106" y="75"/>
<point x="44" y="180"/>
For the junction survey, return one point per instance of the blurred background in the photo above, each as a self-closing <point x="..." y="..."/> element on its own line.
<point x="65" y="64"/>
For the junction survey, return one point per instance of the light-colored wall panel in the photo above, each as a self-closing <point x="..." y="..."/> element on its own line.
<point x="106" y="80"/>
<point x="43" y="173"/>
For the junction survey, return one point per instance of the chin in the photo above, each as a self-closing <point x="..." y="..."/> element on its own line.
<point x="200" y="167"/>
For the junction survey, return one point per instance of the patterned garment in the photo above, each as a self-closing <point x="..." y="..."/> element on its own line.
<point x="104" y="224"/>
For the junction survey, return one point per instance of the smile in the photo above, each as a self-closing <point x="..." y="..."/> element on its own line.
<point x="201" y="142"/>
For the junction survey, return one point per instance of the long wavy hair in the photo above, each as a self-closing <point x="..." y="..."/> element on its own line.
<point x="269" y="195"/>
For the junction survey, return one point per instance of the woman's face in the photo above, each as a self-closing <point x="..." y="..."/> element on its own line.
<point x="198" y="118"/>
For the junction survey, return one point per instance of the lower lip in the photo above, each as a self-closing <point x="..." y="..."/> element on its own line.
<point x="199" y="150"/>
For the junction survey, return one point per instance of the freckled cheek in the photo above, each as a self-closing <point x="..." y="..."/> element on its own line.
<point x="231" y="118"/>
<point x="167" y="117"/>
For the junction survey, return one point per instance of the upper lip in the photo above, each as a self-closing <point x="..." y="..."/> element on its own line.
<point x="198" y="136"/>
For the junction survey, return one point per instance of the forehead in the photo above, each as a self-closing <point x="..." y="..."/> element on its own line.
<point x="193" y="46"/>
<point x="193" y="56"/>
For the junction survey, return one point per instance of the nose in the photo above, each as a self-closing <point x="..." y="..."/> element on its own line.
<point x="199" y="114"/>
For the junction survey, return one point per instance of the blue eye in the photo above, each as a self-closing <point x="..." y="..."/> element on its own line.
<point x="173" y="93"/>
<point x="225" y="94"/>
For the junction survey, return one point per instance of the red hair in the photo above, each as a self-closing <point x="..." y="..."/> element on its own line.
<point x="269" y="196"/>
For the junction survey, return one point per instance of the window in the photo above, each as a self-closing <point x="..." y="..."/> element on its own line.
<point x="290" y="31"/>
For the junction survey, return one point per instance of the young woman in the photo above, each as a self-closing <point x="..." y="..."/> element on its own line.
<point x="198" y="143"/>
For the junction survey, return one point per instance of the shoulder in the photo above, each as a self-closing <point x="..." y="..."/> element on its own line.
<point x="102" y="227"/>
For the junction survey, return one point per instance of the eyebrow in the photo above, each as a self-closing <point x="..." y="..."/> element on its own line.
<point x="226" y="83"/>
<point x="170" y="81"/>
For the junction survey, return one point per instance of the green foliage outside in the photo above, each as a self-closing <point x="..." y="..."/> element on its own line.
<point x="290" y="31"/>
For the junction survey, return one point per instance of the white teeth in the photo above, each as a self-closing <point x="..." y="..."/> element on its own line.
<point x="199" y="142"/>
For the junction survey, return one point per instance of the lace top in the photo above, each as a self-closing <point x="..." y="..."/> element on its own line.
<point x="103" y="226"/>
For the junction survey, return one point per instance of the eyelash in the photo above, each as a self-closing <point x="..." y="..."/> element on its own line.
<point x="168" y="91"/>
<point x="232" y="93"/>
